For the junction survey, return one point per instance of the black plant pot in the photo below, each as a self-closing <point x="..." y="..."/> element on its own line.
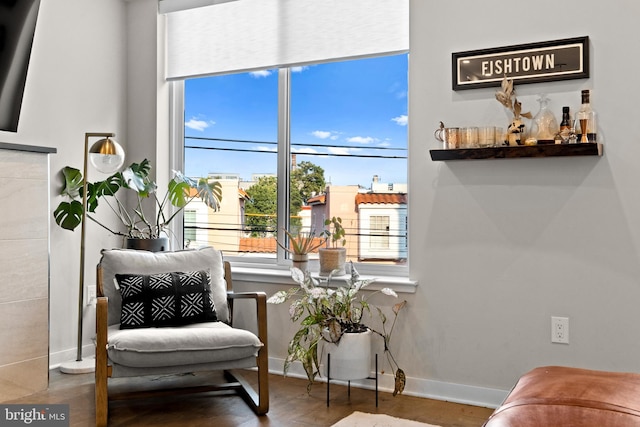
<point x="160" y="244"/>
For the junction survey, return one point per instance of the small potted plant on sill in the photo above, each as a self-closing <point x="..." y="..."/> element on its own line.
<point x="138" y="225"/>
<point x="300" y="246"/>
<point x="334" y="256"/>
<point x="333" y="317"/>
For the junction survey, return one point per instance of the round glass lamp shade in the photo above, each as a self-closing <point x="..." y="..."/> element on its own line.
<point x="106" y="155"/>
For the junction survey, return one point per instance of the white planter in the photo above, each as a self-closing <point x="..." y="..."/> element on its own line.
<point x="300" y="261"/>
<point x="332" y="259"/>
<point x="350" y="357"/>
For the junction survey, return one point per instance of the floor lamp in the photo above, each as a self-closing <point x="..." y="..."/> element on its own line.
<point x="107" y="156"/>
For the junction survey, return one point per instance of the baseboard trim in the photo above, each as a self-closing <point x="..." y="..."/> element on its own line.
<point x="419" y="387"/>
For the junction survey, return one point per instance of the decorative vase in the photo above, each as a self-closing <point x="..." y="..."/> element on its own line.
<point x="161" y="244"/>
<point x="300" y="261"/>
<point x="350" y="357"/>
<point x="544" y="125"/>
<point x="516" y="128"/>
<point x="519" y="125"/>
<point x="332" y="259"/>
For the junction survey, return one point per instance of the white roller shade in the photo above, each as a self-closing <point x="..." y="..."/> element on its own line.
<point x="248" y="35"/>
<point x="166" y="6"/>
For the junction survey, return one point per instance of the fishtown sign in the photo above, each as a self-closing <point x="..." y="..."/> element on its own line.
<point x="527" y="63"/>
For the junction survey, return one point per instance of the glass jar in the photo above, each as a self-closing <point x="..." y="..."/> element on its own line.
<point x="544" y="126"/>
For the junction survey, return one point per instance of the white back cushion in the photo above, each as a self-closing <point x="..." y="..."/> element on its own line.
<point x="122" y="261"/>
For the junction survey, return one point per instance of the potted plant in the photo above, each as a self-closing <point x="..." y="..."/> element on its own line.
<point x="137" y="224"/>
<point x="333" y="257"/>
<point x="300" y="245"/>
<point x="331" y="315"/>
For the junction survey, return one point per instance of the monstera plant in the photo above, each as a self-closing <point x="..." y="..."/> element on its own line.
<point x="136" y="223"/>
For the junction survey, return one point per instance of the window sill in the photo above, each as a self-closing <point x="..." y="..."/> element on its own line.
<point x="272" y="274"/>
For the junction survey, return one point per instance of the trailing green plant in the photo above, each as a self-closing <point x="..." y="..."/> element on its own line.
<point x="302" y="243"/>
<point x="326" y="314"/>
<point x="334" y="232"/>
<point x="136" y="222"/>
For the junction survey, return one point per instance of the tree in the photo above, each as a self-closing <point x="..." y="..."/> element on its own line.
<point x="295" y="205"/>
<point x="309" y="179"/>
<point x="261" y="209"/>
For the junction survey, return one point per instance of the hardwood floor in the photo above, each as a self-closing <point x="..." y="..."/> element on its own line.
<point x="290" y="405"/>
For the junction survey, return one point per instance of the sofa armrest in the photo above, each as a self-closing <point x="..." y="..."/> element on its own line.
<point x="261" y="310"/>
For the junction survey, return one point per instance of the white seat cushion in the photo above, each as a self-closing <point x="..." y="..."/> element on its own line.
<point x="183" y="345"/>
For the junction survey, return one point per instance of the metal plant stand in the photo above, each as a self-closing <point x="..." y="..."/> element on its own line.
<point x="349" y="381"/>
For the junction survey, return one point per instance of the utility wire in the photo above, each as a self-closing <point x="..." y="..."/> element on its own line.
<point x="244" y="141"/>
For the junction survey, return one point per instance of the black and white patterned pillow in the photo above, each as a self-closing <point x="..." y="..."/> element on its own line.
<point x="165" y="299"/>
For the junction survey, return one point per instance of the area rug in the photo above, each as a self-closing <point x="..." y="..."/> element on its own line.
<point x="362" y="419"/>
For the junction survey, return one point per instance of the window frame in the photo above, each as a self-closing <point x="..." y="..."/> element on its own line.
<point x="281" y="260"/>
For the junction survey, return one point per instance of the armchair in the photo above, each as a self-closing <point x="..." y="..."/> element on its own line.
<point x="141" y="341"/>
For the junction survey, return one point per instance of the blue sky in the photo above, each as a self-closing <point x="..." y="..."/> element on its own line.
<point x="348" y="108"/>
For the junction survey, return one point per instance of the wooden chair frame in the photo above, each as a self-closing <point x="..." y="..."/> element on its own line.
<point x="258" y="401"/>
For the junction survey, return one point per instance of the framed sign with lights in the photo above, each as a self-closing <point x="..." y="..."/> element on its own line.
<point x="526" y="63"/>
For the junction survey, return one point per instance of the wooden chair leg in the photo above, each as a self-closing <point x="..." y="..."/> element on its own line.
<point x="263" y="383"/>
<point x="263" y="356"/>
<point x="102" y="399"/>
<point x="102" y="367"/>
<point x="259" y="402"/>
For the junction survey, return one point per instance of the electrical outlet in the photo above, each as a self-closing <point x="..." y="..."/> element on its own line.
<point x="560" y="330"/>
<point x="91" y="295"/>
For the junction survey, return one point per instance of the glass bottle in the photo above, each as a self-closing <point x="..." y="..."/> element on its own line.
<point x="565" y="125"/>
<point x="545" y="125"/>
<point x="587" y="119"/>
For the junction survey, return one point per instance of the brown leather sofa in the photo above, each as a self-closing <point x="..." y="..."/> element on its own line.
<point x="555" y="396"/>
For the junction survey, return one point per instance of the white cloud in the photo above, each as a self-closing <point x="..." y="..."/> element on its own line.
<point x="298" y="69"/>
<point x="321" y="134"/>
<point x="261" y="73"/>
<point x="198" y="125"/>
<point x="401" y="120"/>
<point x="361" y="139"/>
<point x="307" y="150"/>
<point x="263" y="148"/>
<point x="338" y="150"/>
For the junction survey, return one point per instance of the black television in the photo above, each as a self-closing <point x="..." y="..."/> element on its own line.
<point x="17" y="28"/>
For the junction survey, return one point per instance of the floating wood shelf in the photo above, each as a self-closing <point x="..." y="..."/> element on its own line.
<point x="542" y="150"/>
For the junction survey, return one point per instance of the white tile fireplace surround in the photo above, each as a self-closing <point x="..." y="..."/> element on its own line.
<point x="24" y="270"/>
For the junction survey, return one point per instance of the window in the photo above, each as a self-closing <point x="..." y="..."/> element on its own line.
<point x="231" y="125"/>
<point x="331" y="136"/>
<point x="189" y="233"/>
<point x="379" y="232"/>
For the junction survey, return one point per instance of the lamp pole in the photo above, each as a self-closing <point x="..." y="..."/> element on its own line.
<point x="103" y="147"/>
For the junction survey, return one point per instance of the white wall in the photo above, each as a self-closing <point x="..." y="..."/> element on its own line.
<point x="498" y="246"/>
<point x="76" y="84"/>
<point x="94" y="68"/>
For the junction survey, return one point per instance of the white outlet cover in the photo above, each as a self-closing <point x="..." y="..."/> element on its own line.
<point x="560" y="330"/>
